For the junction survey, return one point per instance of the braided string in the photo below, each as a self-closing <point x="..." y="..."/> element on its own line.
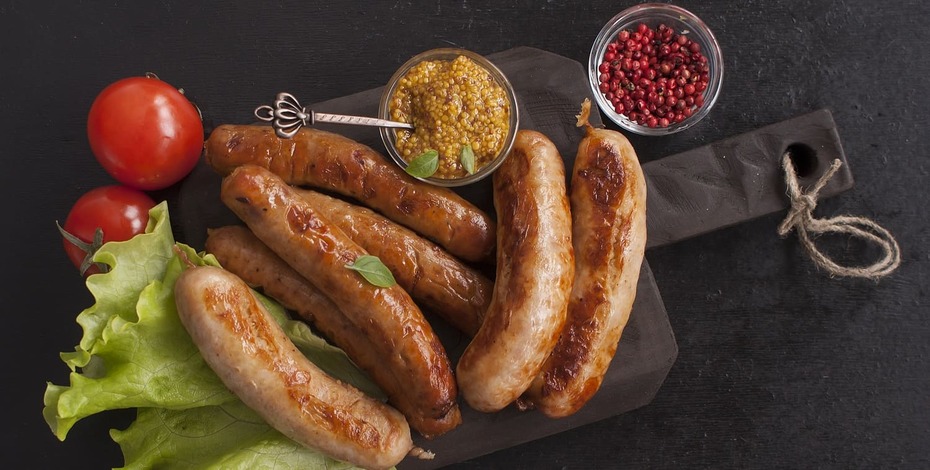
<point x="800" y="218"/>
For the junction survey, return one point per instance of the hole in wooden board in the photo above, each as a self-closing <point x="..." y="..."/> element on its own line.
<point x="804" y="159"/>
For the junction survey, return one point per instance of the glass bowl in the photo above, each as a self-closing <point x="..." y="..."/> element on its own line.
<point x="389" y="136"/>
<point x="683" y="23"/>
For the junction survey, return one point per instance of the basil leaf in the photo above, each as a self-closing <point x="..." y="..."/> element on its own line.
<point x="373" y="270"/>
<point x="468" y="159"/>
<point x="424" y="165"/>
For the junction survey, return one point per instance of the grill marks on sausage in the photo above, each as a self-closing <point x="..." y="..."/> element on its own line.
<point x="605" y="237"/>
<point x="608" y="205"/>
<point x="303" y="221"/>
<point x="518" y="208"/>
<point x="233" y="143"/>
<point x="387" y="316"/>
<point x="603" y="182"/>
<point x="332" y="162"/>
<point x="535" y="266"/>
<point x="605" y="176"/>
<point x="242" y="253"/>
<point x="242" y="314"/>
<point x="337" y="420"/>
<point x="574" y="345"/>
<point x="407" y="206"/>
<point x="433" y="277"/>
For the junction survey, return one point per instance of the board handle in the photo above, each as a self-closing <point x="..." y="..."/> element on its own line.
<point x="739" y="178"/>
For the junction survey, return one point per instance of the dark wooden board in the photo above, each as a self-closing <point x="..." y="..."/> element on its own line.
<point x="690" y="193"/>
<point x="739" y="178"/>
<point x="549" y="89"/>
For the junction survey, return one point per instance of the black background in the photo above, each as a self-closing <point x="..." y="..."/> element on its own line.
<point x="779" y="364"/>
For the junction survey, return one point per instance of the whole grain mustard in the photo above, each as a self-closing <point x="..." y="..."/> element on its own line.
<point x="451" y="104"/>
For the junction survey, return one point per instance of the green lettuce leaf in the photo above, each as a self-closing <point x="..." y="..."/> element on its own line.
<point x="220" y="437"/>
<point x="135" y="353"/>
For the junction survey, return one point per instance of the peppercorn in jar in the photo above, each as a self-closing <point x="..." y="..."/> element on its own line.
<point x="457" y="110"/>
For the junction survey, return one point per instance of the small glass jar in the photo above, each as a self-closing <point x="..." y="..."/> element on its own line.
<point x="682" y="22"/>
<point x="389" y="135"/>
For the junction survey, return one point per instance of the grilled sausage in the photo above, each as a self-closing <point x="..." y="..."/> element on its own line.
<point x="243" y="254"/>
<point x="240" y="252"/>
<point x="329" y="161"/>
<point x="254" y="358"/>
<point x="608" y="198"/>
<point x="320" y="251"/>
<point x="534" y="276"/>
<point x="433" y="277"/>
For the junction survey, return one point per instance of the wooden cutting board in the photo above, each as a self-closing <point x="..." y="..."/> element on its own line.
<point x="690" y="193"/>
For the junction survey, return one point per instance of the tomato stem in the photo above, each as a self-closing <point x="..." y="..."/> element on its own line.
<point x="88" y="248"/>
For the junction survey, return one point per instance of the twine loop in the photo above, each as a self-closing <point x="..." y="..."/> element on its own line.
<point x="801" y="219"/>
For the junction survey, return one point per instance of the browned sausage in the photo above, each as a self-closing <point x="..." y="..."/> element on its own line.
<point x="608" y="198"/>
<point x="534" y="276"/>
<point x="254" y="358"/>
<point x="319" y="251"/>
<point x="326" y="160"/>
<point x="442" y="283"/>
<point x="239" y="251"/>
<point x="243" y="254"/>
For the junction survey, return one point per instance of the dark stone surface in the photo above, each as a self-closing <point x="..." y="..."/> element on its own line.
<point x="779" y="365"/>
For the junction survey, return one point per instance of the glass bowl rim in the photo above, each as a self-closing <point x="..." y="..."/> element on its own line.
<point x="387" y="135"/>
<point x="697" y="29"/>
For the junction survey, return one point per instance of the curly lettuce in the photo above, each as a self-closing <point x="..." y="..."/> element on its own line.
<point x="135" y="353"/>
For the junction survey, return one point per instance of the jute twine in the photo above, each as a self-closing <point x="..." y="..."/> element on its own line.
<point x="801" y="219"/>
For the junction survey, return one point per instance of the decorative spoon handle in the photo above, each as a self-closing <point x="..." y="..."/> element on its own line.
<point x="287" y="116"/>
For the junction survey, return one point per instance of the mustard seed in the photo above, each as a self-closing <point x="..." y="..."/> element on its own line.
<point x="451" y="104"/>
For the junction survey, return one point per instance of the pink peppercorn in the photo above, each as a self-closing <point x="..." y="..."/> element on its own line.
<point x="654" y="72"/>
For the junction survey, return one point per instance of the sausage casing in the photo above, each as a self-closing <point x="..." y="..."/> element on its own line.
<point x="320" y="251"/>
<point x="239" y="251"/>
<point x="608" y="198"/>
<point x="254" y="358"/>
<point x="325" y="160"/>
<point x="535" y="267"/>
<point x="433" y="277"/>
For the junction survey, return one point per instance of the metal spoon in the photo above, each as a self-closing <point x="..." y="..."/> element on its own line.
<point x="288" y="116"/>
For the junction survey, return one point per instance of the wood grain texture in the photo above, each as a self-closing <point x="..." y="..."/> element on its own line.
<point x="740" y="178"/>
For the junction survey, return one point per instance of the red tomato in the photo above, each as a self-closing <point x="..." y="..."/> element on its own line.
<point x="145" y="133"/>
<point x="119" y="211"/>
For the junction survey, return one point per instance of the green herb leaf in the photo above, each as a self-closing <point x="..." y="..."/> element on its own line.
<point x="424" y="165"/>
<point x="468" y="159"/>
<point x="373" y="270"/>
